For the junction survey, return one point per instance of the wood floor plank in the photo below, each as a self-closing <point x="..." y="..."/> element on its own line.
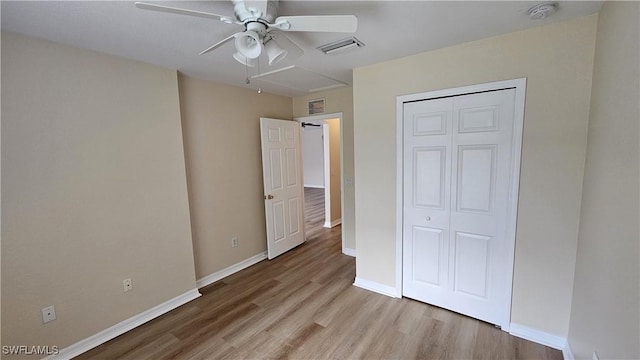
<point x="269" y="316"/>
<point x="144" y="334"/>
<point x="303" y="315"/>
<point x="409" y="318"/>
<point x="151" y="350"/>
<point x="463" y="338"/>
<point x="346" y="331"/>
<point x="371" y="329"/>
<point x="302" y="305"/>
<point x="427" y="341"/>
<point x="213" y="347"/>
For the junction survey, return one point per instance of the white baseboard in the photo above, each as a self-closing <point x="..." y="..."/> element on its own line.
<point x="315" y="186"/>
<point x="122" y="327"/>
<point x="333" y="223"/>
<point x="350" y="252"/>
<point x="376" y="287"/>
<point x="567" y="354"/>
<point x="538" y="336"/>
<point x="218" y="275"/>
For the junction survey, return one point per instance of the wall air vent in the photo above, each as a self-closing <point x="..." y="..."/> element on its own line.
<point x="341" y="46"/>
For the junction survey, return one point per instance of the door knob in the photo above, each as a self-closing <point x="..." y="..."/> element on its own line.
<point x="428" y="218"/>
<point x="268" y="197"/>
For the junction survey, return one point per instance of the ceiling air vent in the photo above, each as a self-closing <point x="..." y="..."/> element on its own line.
<point x="341" y="46"/>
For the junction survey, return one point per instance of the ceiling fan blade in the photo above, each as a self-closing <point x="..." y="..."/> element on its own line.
<point x="320" y="23"/>
<point x="173" y="10"/>
<point x="218" y="44"/>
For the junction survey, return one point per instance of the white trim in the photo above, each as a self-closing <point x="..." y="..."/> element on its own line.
<point x="122" y="327"/>
<point x="319" y="117"/>
<point x="334" y="223"/>
<point x="567" y="354"/>
<point x="399" y="190"/>
<point x="342" y="185"/>
<point x="218" y="275"/>
<point x="538" y="336"/>
<point x="326" y="151"/>
<point x="376" y="287"/>
<point x="314" y="186"/>
<point x="520" y="86"/>
<point x="348" y="251"/>
<point x="518" y="125"/>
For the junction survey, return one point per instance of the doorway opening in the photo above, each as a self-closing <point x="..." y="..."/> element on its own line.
<point x="321" y="138"/>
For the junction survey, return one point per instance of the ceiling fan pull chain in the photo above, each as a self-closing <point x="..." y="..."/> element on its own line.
<point x="246" y="71"/>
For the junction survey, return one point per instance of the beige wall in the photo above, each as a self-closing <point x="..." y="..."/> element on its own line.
<point x="221" y="127"/>
<point x="557" y="61"/>
<point x="93" y="191"/>
<point x="605" y="315"/>
<point x="339" y="100"/>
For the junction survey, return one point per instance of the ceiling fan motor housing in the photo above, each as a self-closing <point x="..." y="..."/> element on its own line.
<point x="244" y="11"/>
<point x="257" y="27"/>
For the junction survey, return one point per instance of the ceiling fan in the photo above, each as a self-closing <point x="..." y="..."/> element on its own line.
<point x="263" y="28"/>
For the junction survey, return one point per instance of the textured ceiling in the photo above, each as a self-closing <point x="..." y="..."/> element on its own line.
<point x="390" y="29"/>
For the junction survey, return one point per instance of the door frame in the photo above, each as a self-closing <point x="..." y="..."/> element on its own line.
<point x="327" y="164"/>
<point x="512" y="213"/>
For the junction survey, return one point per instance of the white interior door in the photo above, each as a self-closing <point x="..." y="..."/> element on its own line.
<point x="283" y="188"/>
<point x="458" y="170"/>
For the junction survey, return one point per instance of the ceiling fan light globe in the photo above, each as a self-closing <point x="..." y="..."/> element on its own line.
<point x="244" y="60"/>
<point x="274" y="52"/>
<point x="248" y="43"/>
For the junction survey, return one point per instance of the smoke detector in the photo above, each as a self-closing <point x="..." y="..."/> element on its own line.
<point x="542" y="10"/>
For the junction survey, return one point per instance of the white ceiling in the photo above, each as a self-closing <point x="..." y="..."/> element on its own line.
<point x="390" y="29"/>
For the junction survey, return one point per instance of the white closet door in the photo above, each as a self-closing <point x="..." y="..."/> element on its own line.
<point x="457" y="177"/>
<point x="427" y="192"/>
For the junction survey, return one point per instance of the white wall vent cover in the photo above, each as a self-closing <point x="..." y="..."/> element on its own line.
<point x="294" y="77"/>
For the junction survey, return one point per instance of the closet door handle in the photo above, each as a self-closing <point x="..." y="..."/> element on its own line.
<point x="428" y="218"/>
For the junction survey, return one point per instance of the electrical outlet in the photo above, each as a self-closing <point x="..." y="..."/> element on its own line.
<point x="48" y="314"/>
<point x="127" y="284"/>
<point x="595" y="356"/>
<point x="234" y="242"/>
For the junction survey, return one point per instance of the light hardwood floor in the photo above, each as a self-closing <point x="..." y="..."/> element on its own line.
<point x="302" y="305"/>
